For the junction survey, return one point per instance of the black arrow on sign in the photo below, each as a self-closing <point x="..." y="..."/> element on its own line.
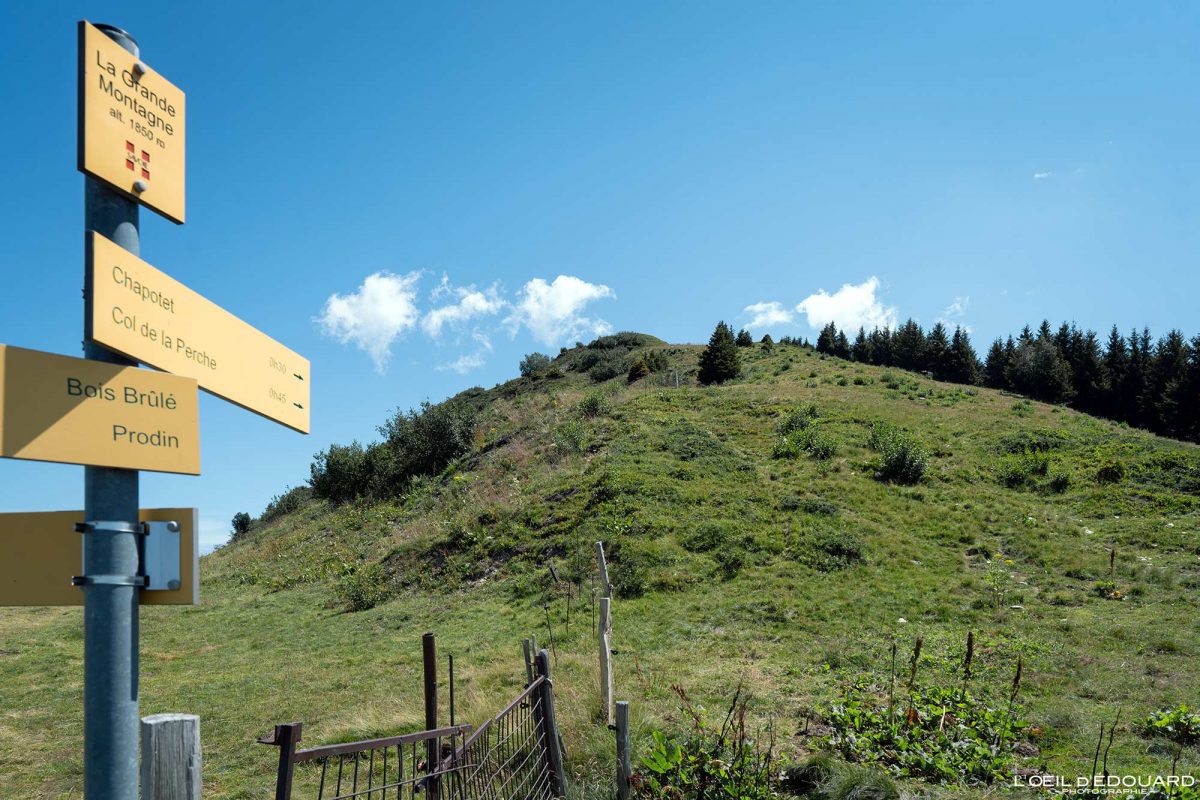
<point x="297" y="376"/>
<point x="297" y="405"/>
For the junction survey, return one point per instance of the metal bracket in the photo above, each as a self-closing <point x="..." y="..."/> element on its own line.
<point x="109" y="580"/>
<point x="160" y="556"/>
<point x="109" y="526"/>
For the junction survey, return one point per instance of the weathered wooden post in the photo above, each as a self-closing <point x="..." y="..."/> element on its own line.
<point x="554" y="753"/>
<point x="285" y="737"/>
<point x="604" y="641"/>
<point x="605" y="585"/>
<point x="528" y="652"/>
<point x="429" y="658"/>
<point x="624" y="758"/>
<point x="171" y="757"/>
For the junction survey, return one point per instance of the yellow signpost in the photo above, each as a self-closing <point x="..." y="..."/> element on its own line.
<point x="131" y="124"/>
<point x="146" y="315"/>
<point x="75" y="411"/>
<point x="42" y="554"/>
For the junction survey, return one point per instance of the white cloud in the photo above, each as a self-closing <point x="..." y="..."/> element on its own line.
<point x="375" y="315"/>
<point x="1037" y="176"/>
<point x="958" y="308"/>
<point x="553" y="311"/>
<point x="463" y="364"/>
<point x="767" y="313"/>
<point x="850" y="307"/>
<point x="471" y="303"/>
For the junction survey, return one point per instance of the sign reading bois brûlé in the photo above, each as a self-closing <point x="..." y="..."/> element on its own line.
<point x="131" y="125"/>
<point x="145" y="314"/>
<point x="76" y="411"/>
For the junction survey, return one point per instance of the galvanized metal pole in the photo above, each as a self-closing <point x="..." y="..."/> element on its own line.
<point x="110" y="610"/>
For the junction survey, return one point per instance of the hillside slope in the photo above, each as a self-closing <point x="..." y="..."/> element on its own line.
<point x="791" y="574"/>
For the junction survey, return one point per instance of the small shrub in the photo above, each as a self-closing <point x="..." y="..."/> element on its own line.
<point x="593" y="404"/>
<point x="1111" y="472"/>
<point x="637" y="370"/>
<point x="730" y="561"/>
<point x="829" y="550"/>
<point x="360" y="586"/>
<point x="797" y="419"/>
<point x="822" y="446"/>
<point x="706" y="537"/>
<point x="570" y="436"/>
<point x="904" y="460"/>
<point x="1059" y="483"/>
<point x="1108" y="590"/>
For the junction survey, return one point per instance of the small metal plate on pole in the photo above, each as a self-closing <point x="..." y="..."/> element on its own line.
<point x="76" y="411"/>
<point x="147" y="315"/>
<point x="42" y="552"/>
<point x="131" y="125"/>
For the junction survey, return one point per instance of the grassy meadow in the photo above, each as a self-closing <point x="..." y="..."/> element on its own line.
<point x="1069" y="542"/>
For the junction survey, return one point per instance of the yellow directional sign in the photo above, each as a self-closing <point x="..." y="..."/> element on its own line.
<point x="149" y="316"/>
<point x="42" y="553"/>
<point x="131" y="125"/>
<point x="56" y="408"/>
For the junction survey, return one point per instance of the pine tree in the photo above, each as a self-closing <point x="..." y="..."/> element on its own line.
<point x="841" y="346"/>
<point x="881" y="347"/>
<point x="1087" y="371"/>
<point x="1167" y="372"/>
<point x="908" y="346"/>
<point x="937" y="347"/>
<point x="861" y="349"/>
<point x="962" y="363"/>
<point x="744" y="339"/>
<point x="719" y="362"/>
<point x="995" y="369"/>
<point x="1116" y="403"/>
<point x="827" y="339"/>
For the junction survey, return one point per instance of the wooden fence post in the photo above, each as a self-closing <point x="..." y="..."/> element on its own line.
<point x="605" y="585"/>
<point x="285" y="737"/>
<point x="624" y="759"/>
<point x="429" y="664"/>
<point x="604" y="641"/>
<point x="528" y="652"/>
<point x="554" y="753"/>
<point x="171" y="757"/>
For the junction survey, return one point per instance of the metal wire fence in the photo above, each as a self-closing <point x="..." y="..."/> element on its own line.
<point x="509" y="757"/>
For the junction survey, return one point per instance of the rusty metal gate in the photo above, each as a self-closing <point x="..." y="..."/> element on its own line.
<point x="516" y="755"/>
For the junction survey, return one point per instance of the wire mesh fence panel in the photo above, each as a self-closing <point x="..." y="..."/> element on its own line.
<point x="504" y="759"/>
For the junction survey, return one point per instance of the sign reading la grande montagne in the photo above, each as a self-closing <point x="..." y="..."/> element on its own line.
<point x="146" y="315"/>
<point x="75" y="411"/>
<point x="131" y="125"/>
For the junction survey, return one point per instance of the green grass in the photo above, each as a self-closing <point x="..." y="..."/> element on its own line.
<point x="789" y="574"/>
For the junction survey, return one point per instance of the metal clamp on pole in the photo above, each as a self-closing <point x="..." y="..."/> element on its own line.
<point x="107" y="526"/>
<point x="109" y="580"/>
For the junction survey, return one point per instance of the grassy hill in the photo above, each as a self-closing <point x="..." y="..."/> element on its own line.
<point x="736" y="557"/>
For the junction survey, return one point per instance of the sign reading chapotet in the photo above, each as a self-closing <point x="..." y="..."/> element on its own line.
<point x="145" y="314"/>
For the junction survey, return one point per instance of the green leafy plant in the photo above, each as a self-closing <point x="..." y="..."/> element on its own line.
<point x="709" y="761"/>
<point x="1180" y="724"/>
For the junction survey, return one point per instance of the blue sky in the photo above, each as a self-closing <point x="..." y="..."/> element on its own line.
<point x="414" y="195"/>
